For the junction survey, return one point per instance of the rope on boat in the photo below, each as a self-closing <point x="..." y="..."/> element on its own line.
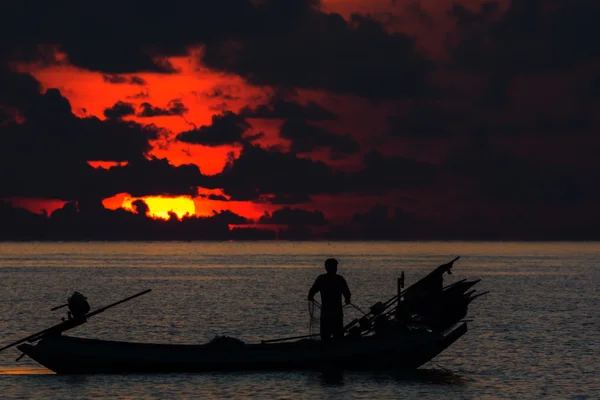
<point x="314" y="311"/>
<point x="355" y="306"/>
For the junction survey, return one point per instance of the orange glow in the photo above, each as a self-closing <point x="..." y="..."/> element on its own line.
<point x="106" y="164"/>
<point x="38" y="206"/>
<point x="161" y="206"/>
<point x="204" y="93"/>
<point x="246" y="209"/>
<point x="211" y="160"/>
<point x="25" y="371"/>
<point x="115" y="202"/>
<point x="194" y="85"/>
<point x="202" y="206"/>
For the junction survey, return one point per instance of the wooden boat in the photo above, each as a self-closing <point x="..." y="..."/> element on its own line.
<point x="405" y="332"/>
<point x="71" y="355"/>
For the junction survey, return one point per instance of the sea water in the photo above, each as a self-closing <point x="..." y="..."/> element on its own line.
<point x="535" y="335"/>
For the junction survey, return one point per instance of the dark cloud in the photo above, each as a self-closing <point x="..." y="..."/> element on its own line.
<point x="174" y="108"/>
<point x="102" y="39"/>
<point x="261" y="174"/>
<point x="119" y="110"/>
<point x="306" y="138"/>
<point x="505" y="178"/>
<point x="252" y="233"/>
<point x="381" y="173"/>
<point x="529" y="41"/>
<point x="44" y="178"/>
<point x="120" y="79"/>
<point x="221" y="107"/>
<point x="284" y="199"/>
<point x="52" y="130"/>
<point x="90" y="221"/>
<point x="294" y="216"/>
<point x="526" y="80"/>
<point x="48" y="177"/>
<point x="270" y="42"/>
<point x="114" y="140"/>
<point x="556" y="126"/>
<point x="261" y="171"/>
<point x="17" y="90"/>
<point x="532" y="36"/>
<point x="140" y="207"/>
<point x="4" y="116"/>
<point x="324" y="51"/>
<point x="136" y="80"/>
<point x="217" y="197"/>
<point x="280" y="108"/>
<point x="229" y="218"/>
<point x="224" y="92"/>
<point x="46" y="155"/>
<point x="296" y="232"/>
<point x="147" y="177"/>
<point x="115" y="57"/>
<point x="378" y="215"/>
<point x="425" y="121"/>
<point x="140" y="95"/>
<point x="19" y="224"/>
<point x="379" y="223"/>
<point x="592" y="87"/>
<point x="226" y="128"/>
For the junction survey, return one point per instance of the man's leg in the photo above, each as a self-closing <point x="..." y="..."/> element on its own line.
<point x="338" y="326"/>
<point x="326" y="330"/>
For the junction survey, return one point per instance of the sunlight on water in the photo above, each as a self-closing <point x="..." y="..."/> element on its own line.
<point x="535" y="335"/>
<point x="25" y="371"/>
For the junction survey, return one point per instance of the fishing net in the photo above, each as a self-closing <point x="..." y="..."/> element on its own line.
<point x="314" y="312"/>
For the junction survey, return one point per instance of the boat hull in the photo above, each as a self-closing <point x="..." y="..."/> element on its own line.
<point x="72" y="355"/>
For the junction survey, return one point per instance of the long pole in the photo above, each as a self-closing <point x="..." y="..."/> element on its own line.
<point x="288" y="338"/>
<point x="71" y="323"/>
<point x="98" y="311"/>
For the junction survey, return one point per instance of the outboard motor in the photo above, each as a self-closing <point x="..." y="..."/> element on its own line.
<point x="78" y="306"/>
<point x="377" y="308"/>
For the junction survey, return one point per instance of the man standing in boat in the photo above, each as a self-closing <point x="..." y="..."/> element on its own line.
<point x="332" y="286"/>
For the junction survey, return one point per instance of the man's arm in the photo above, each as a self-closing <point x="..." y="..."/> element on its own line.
<point x="316" y="287"/>
<point x="346" y="291"/>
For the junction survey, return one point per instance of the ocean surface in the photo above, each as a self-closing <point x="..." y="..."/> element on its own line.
<point x="536" y="335"/>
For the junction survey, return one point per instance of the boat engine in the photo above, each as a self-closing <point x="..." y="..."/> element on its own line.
<point x="78" y="306"/>
<point x="377" y="308"/>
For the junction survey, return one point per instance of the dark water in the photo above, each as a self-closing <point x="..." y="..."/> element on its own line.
<point x="536" y="335"/>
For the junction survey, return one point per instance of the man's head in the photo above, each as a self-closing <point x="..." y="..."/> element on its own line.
<point x="331" y="266"/>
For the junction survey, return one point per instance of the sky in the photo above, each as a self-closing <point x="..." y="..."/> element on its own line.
<point x="299" y="119"/>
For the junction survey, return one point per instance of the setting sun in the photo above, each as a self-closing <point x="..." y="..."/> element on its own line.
<point x="159" y="207"/>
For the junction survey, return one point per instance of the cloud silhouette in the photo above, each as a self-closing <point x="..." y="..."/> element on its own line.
<point x="56" y="145"/>
<point x="120" y="79"/>
<point x="306" y="138"/>
<point x="294" y="216"/>
<point x="119" y="110"/>
<point x="330" y="55"/>
<point x="260" y="171"/>
<point x="226" y="128"/>
<point x="174" y="108"/>
<point x="280" y="108"/>
<point x="490" y="132"/>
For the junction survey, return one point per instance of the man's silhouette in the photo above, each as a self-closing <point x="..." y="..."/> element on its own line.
<point x="332" y="287"/>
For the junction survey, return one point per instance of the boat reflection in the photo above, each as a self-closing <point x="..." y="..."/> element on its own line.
<point x="430" y="376"/>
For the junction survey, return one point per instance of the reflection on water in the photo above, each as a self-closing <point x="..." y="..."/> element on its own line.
<point x="534" y="336"/>
<point x="423" y="376"/>
<point x="15" y="370"/>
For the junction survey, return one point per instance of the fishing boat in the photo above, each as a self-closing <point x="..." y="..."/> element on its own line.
<point x="406" y="331"/>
